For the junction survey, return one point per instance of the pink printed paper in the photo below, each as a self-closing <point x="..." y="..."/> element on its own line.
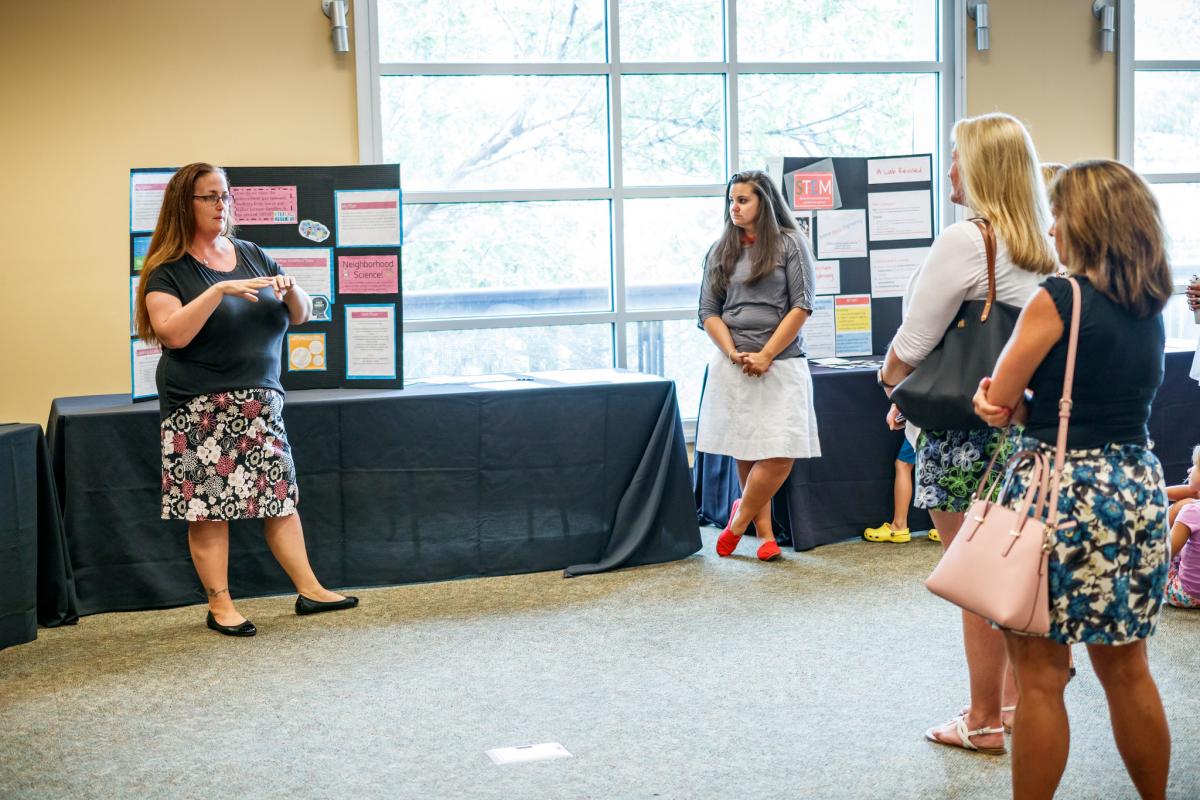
<point x="368" y="275"/>
<point x="264" y="205"/>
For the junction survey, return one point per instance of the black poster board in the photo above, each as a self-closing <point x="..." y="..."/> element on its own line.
<point x="855" y="180"/>
<point x="297" y="208"/>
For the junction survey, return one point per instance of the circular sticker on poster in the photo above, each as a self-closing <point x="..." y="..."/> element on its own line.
<point x="301" y="357"/>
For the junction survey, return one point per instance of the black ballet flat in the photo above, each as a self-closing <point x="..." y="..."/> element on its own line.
<point x="245" y="629"/>
<point x="305" y="606"/>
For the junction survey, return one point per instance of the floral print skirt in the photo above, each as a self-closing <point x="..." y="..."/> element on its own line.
<point x="950" y="465"/>
<point x="1108" y="571"/>
<point x="226" y="456"/>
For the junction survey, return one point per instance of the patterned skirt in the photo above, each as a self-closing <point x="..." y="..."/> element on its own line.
<point x="1107" y="572"/>
<point x="950" y="465"/>
<point x="226" y="456"/>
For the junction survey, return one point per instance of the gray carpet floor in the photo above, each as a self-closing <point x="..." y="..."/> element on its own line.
<point x="812" y="677"/>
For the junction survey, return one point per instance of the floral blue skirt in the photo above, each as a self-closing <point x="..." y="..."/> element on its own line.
<point x="1108" y="571"/>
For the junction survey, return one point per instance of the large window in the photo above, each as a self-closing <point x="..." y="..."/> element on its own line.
<point x="563" y="161"/>
<point x="1159" y="97"/>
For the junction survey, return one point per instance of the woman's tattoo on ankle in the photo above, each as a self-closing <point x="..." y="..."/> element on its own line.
<point x="218" y="592"/>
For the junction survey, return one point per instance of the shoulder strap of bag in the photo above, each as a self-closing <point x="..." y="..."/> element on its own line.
<point x="989" y="243"/>
<point x="1064" y="404"/>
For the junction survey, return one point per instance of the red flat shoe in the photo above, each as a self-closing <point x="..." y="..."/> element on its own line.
<point x="769" y="551"/>
<point x="727" y="542"/>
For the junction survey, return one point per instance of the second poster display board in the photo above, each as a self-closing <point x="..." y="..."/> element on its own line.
<point x="337" y="231"/>
<point x="870" y="223"/>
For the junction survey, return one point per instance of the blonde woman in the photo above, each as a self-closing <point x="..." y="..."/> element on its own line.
<point x="757" y="406"/>
<point x="219" y="307"/>
<point x="994" y="172"/>
<point x="1108" y="562"/>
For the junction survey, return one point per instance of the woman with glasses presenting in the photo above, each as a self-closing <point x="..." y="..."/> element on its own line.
<point x="219" y="306"/>
<point x="757" y="405"/>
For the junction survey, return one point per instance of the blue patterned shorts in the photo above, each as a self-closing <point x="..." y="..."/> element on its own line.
<point x="1108" y="572"/>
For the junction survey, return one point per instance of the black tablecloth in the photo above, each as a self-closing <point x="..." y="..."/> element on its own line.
<point x="34" y="570"/>
<point x="832" y="498"/>
<point x="428" y="483"/>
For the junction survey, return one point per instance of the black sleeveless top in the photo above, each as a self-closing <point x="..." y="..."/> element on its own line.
<point x="1118" y="369"/>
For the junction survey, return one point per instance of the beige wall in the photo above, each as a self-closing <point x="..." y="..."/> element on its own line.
<point x="1045" y="68"/>
<point x="94" y="88"/>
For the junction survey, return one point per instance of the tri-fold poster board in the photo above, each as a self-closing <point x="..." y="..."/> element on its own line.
<point x="871" y="223"/>
<point x="337" y="231"/>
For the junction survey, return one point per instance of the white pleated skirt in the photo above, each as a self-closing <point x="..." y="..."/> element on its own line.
<point x="771" y="416"/>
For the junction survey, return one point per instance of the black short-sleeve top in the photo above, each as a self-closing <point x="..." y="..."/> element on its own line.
<point x="1118" y="368"/>
<point x="239" y="345"/>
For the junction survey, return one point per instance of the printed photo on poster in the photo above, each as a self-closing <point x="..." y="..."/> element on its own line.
<point x="306" y="352"/>
<point x="369" y="218"/>
<point x="133" y="291"/>
<point x="370" y="341"/>
<point x="141" y="246"/>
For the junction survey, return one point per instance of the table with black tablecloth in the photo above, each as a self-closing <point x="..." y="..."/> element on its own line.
<point x="34" y="570"/>
<point x="427" y="483"/>
<point x="848" y="489"/>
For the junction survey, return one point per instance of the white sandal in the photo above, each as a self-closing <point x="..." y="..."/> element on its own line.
<point x="964" y="737"/>
<point x="1003" y="710"/>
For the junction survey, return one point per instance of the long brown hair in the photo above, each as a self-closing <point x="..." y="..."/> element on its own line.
<point x="773" y="219"/>
<point x="173" y="234"/>
<point x="1003" y="183"/>
<point x="1111" y="231"/>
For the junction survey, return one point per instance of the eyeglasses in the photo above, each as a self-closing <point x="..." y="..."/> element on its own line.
<point x="211" y="199"/>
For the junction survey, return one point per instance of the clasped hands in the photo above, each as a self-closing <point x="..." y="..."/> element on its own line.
<point x="995" y="415"/>
<point x="281" y="285"/>
<point x="753" y="364"/>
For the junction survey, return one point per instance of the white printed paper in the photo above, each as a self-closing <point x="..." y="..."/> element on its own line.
<point x="312" y="267"/>
<point x="818" y="329"/>
<point x="453" y="379"/>
<point x="371" y="341"/>
<point x="368" y="218"/>
<point x="146" y="190"/>
<point x="842" y="234"/>
<point x="891" y="270"/>
<point x="829" y="277"/>
<point x="528" y="752"/>
<point x="900" y="215"/>
<point x="133" y="293"/>
<point x="144" y="359"/>
<point x="909" y="169"/>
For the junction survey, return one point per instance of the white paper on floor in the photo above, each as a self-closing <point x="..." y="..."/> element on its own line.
<point x="528" y="752"/>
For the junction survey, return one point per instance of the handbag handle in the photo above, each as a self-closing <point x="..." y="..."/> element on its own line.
<point x="989" y="244"/>
<point x="1064" y="403"/>
<point x="1048" y="502"/>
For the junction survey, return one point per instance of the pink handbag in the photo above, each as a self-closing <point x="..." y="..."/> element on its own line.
<point x="996" y="566"/>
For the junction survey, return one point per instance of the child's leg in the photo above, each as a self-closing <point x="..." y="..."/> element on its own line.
<point x="902" y="490"/>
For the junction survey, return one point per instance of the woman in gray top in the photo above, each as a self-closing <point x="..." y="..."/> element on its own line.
<point x="757" y="405"/>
